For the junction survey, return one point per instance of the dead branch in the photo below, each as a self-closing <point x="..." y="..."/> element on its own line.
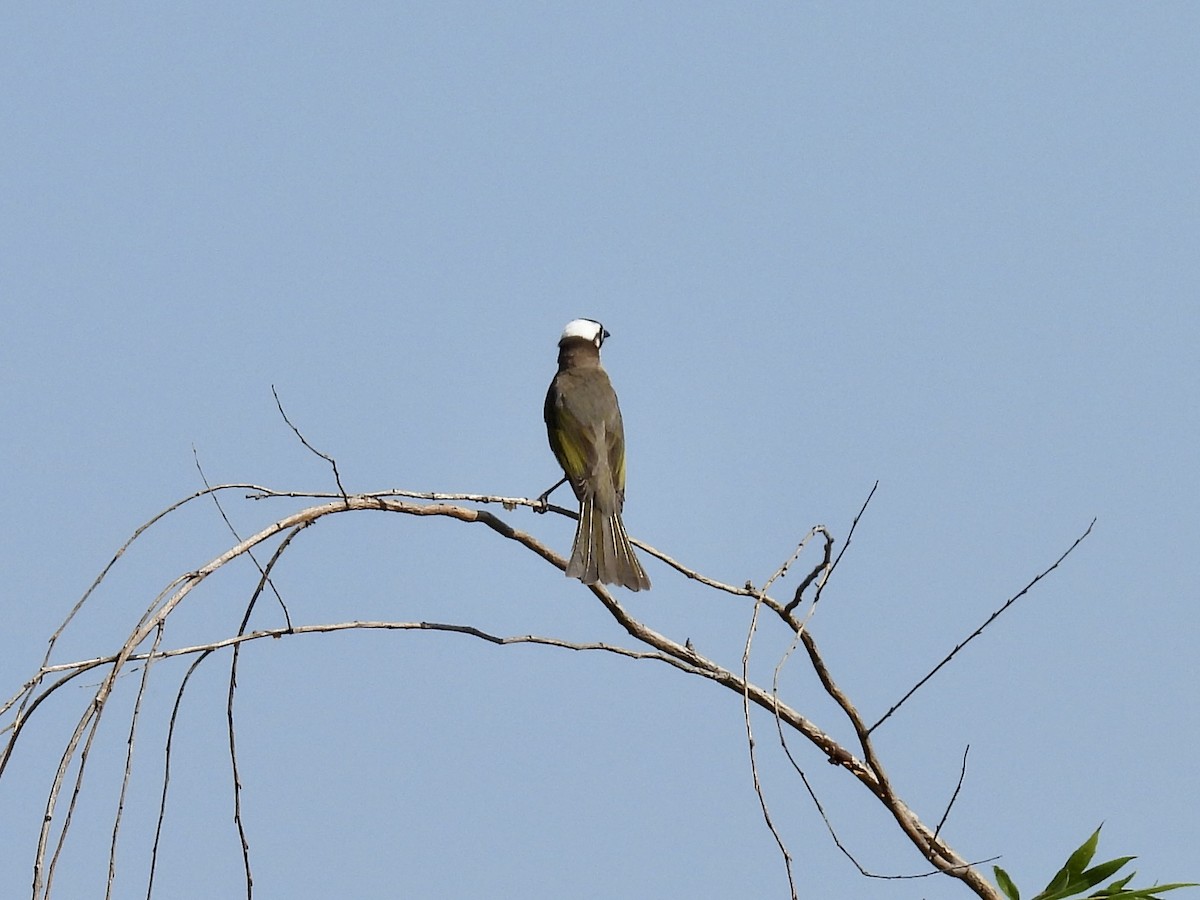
<point x="329" y="459"/>
<point x="978" y="631"/>
<point x="861" y="762"/>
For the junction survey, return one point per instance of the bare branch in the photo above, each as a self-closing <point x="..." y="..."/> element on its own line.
<point x="166" y="780"/>
<point x="820" y="567"/>
<point x="233" y="763"/>
<point x="962" y="774"/>
<point x="862" y="870"/>
<point x="849" y="540"/>
<point x="511" y="503"/>
<point x="79" y="667"/>
<point x="237" y="537"/>
<point x="133" y="722"/>
<point x="978" y="631"/>
<point x="760" y="599"/>
<point x="758" y="790"/>
<point x="862" y="763"/>
<point x="329" y="459"/>
<point x="26" y="690"/>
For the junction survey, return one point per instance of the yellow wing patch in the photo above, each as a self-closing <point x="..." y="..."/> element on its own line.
<point x="571" y="451"/>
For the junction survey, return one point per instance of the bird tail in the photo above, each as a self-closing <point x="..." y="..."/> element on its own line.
<point x="602" y="551"/>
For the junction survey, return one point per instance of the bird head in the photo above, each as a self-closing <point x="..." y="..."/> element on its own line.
<point x="587" y="329"/>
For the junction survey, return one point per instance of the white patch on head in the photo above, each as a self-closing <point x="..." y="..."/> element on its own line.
<point x="584" y="328"/>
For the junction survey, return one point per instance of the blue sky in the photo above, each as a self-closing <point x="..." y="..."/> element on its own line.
<point x="951" y="248"/>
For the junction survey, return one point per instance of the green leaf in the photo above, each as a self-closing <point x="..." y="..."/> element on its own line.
<point x="1084" y="880"/>
<point x="1075" y="878"/>
<point x="1151" y="893"/>
<point x="1060" y="886"/>
<point x="1064" y="883"/>
<point x="1009" y="889"/>
<point x="1079" y="860"/>
<point x="1120" y="883"/>
<point x="1116" y="889"/>
<point x="1098" y="873"/>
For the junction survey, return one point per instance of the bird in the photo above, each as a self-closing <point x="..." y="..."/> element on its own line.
<point x="583" y="423"/>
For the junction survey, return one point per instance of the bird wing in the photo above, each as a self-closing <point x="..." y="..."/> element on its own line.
<point x="584" y="425"/>
<point x="569" y="440"/>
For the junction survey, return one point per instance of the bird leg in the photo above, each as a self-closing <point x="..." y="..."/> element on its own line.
<point x="542" y="501"/>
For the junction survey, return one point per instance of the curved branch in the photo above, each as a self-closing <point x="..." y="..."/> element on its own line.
<point x="864" y="765"/>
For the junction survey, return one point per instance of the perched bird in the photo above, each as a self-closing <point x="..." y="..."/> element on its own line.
<point x="583" y="422"/>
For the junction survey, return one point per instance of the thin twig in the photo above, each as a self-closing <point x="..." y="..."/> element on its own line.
<point x="933" y="848"/>
<point x="862" y="870"/>
<point x="509" y="503"/>
<point x="26" y="690"/>
<point x="854" y="523"/>
<point x="237" y="537"/>
<point x="133" y="723"/>
<point x="166" y="780"/>
<point x="325" y="456"/>
<point x="978" y="631"/>
<point x="825" y="565"/>
<point x="265" y="579"/>
<point x="962" y="774"/>
<point x="754" y="777"/>
<point x="817" y="802"/>
<point x="814" y="573"/>
<point x="76" y="791"/>
<point x="89" y="722"/>
<point x="848" y="542"/>
<point x="750" y="745"/>
<point x="79" y="667"/>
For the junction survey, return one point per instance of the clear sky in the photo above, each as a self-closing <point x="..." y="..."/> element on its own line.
<point x="949" y="247"/>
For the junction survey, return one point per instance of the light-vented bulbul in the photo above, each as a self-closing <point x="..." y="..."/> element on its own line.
<point x="583" y="422"/>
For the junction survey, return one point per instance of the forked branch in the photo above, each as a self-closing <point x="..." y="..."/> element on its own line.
<point x="861" y="762"/>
